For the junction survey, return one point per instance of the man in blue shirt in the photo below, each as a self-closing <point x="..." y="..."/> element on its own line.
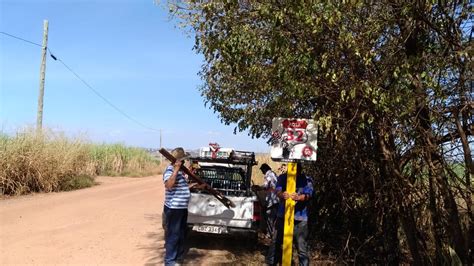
<point x="302" y="195"/>
<point x="177" y="196"/>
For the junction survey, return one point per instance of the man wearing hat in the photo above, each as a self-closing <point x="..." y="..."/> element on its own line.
<point x="177" y="196"/>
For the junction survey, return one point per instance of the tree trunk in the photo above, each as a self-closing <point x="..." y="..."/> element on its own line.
<point x="469" y="172"/>
<point x="435" y="218"/>
<point x="435" y="164"/>
<point x="390" y="220"/>
<point x="415" y="241"/>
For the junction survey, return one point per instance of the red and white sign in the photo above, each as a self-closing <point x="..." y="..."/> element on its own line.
<point x="214" y="149"/>
<point x="294" y="139"/>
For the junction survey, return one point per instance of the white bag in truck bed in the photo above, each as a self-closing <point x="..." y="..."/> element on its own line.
<point x="206" y="209"/>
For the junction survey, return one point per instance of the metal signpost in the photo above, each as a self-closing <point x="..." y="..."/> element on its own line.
<point x="293" y="140"/>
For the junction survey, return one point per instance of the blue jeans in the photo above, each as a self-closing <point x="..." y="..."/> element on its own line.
<point x="300" y="234"/>
<point x="175" y="233"/>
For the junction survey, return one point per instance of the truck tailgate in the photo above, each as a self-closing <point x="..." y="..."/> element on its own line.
<point x="206" y="209"/>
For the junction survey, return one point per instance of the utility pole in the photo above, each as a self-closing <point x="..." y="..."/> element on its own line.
<point x="39" y="118"/>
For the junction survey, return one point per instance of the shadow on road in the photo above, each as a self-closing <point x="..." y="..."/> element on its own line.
<point x="156" y="248"/>
<point x="223" y="249"/>
<point x="206" y="249"/>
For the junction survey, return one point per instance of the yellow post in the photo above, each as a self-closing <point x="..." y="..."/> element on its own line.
<point x="289" y="216"/>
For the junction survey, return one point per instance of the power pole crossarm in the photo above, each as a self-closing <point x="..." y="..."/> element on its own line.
<point x="39" y="118"/>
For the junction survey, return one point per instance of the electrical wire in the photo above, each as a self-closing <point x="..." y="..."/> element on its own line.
<point x="21" y="39"/>
<point x="105" y="99"/>
<point x="85" y="83"/>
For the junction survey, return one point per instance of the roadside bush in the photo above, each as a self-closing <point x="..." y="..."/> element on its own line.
<point x="117" y="159"/>
<point x="31" y="162"/>
<point x="49" y="161"/>
<point x="76" y="182"/>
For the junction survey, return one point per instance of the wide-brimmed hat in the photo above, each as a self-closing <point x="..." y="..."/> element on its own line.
<point x="180" y="154"/>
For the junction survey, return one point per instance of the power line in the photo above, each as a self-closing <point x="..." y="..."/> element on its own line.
<point x="85" y="83"/>
<point x="105" y="99"/>
<point x="16" y="37"/>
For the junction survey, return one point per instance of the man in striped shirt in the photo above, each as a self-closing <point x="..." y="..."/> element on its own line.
<point x="176" y="207"/>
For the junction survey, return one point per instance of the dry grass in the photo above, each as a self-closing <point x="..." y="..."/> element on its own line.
<point x="31" y="162"/>
<point x="162" y="167"/>
<point x="48" y="161"/>
<point x="257" y="175"/>
<point x="119" y="160"/>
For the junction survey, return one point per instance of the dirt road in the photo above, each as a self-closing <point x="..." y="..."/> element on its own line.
<point x="116" y="222"/>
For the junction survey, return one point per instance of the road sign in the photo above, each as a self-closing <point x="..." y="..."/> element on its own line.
<point x="294" y="139"/>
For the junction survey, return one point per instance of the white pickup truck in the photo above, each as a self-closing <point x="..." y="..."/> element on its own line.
<point x="230" y="174"/>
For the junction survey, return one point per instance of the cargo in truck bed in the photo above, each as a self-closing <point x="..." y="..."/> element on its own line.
<point x="230" y="175"/>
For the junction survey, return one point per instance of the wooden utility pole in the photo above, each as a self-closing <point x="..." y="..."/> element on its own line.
<point x="39" y="118"/>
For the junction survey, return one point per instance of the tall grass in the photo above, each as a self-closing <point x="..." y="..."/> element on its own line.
<point x="118" y="159"/>
<point x="31" y="162"/>
<point x="46" y="162"/>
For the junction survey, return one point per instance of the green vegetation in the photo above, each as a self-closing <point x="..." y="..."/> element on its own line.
<point x="76" y="182"/>
<point x="390" y="84"/>
<point x="46" y="162"/>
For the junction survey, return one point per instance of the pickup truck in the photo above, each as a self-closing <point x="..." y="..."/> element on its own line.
<point x="230" y="174"/>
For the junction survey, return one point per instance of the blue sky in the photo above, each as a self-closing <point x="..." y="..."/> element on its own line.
<point x="127" y="50"/>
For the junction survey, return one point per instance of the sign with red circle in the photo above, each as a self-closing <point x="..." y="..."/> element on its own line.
<point x="307" y="151"/>
<point x="294" y="139"/>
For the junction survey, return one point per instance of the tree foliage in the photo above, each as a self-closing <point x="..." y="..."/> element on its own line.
<point x="390" y="84"/>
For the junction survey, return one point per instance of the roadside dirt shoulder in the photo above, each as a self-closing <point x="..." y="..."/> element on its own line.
<point x="116" y="222"/>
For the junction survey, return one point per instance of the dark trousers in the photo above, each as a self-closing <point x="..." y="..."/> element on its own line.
<point x="175" y="233"/>
<point x="270" y="219"/>
<point x="300" y="234"/>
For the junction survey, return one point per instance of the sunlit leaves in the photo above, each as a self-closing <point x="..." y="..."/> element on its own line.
<point x="366" y="71"/>
<point x="293" y="59"/>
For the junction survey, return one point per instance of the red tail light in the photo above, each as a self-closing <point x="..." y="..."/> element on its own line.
<point x="257" y="216"/>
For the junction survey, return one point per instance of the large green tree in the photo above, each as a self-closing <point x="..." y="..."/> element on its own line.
<point x="390" y="84"/>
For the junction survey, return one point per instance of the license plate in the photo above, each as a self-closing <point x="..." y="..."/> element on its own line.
<point x="210" y="229"/>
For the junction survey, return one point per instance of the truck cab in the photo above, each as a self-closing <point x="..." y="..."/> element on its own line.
<point x="229" y="172"/>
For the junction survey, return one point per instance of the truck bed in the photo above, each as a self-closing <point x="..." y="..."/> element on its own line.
<point x="231" y="177"/>
<point x="206" y="209"/>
